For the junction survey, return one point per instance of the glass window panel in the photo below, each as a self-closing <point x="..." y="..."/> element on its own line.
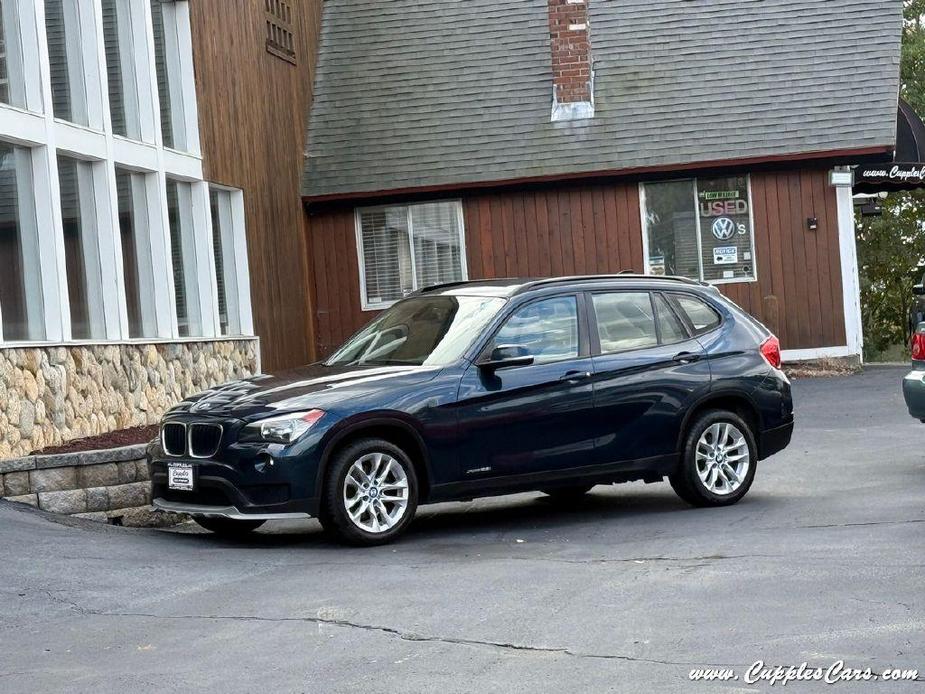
<point x="12" y="87"/>
<point x="182" y="272"/>
<point x="671" y="226"/>
<point x="68" y="88"/>
<point x="80" y="248"/>
<point x="703" y="317"/>
<point x="725" y="228"/>
<point x="669" y="327"/>
<point x="437" y="252"/>
<point x="625" y="320"/>
<point x="120" y="68"/>
<point x="132" y="267"/>
<point x="20" y="285"/>
<point x="166" y="61"/>
<point x="387" y="266"/>
<point x="547" y="329"/>
<point x="218" y="249"/>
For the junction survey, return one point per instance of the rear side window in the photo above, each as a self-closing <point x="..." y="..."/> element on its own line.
<point x="625" y="320"/>
<point x="669" y="327"/>
<point x="701" y="316"/>
<point x="548" y="329"/>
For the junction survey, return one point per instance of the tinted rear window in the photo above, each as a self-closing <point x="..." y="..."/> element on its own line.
<point x="701" y="315"/>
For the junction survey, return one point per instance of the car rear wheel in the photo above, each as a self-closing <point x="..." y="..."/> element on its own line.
<point x="228" y="527"/>
<point x="370" y="493"/>
<point x="569" y="494"/>
<point x="719" y="459"/>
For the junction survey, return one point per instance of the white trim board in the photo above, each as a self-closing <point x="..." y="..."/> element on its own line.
<point x="790" y="355"/>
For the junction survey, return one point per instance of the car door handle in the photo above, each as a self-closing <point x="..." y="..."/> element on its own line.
<point x="575" y="376"/>
<point x="686" y="357"/>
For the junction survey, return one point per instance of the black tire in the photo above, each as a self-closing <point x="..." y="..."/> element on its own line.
<point x="568" y="495"/>
<point x="687" y="482"/>
<point x="228" y="527"/>
<point x="334" y="517"/>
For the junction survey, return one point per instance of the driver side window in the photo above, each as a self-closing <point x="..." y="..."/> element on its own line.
<point x="547" y="329"/>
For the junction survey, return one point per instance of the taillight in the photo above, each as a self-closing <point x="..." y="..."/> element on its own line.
<point x="918" y="346"/>
<point x="770" y="350"/>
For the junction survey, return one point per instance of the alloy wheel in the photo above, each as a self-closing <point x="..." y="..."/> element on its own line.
<point x="376" y="492"/>
<point x="723" y="458"/>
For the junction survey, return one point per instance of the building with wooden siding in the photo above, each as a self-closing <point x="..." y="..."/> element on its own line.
<point x="151" y="227"/>
<point x="497" y="138"/>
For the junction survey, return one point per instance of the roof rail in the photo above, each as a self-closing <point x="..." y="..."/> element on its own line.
<point x="533" y="284"/>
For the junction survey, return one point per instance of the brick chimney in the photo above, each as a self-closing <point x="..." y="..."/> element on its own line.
<point x="572" y="65"/>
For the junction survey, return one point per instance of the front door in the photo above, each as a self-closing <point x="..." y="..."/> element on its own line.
<point x="648" y="372"/>
<point x="530" y="419"/>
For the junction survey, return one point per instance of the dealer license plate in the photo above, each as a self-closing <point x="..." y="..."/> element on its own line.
<point x="180" y="476"/>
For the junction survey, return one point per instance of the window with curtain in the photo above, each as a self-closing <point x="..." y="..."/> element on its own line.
<point x="12" y="86"/>
<point x="169" y="65"/>
<point x="403" y="248"/>
<point x="20" y="281"/>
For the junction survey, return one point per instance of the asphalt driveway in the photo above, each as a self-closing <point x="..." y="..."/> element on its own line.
<point x="628" y="592"/>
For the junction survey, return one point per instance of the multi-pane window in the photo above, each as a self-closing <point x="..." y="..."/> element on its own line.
<point x="700" y="228"/>
<point x="21" y="310"/>
<point x="403" y="248"/>
<point x="81" y="247"/>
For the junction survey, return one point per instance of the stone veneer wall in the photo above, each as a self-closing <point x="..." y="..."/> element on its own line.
<point x="49" y="395"/>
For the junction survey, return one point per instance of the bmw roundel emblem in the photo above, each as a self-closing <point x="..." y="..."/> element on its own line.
<point x="724" y="228"/>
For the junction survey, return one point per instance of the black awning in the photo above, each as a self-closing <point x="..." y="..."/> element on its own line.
<point x="906" y="171"/>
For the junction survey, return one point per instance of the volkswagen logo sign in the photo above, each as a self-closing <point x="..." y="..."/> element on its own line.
<point x="724" y="228"/>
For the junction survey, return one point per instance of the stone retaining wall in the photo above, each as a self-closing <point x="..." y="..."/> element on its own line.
<point x="110" y="486"/>
<point x="53" y="394"/>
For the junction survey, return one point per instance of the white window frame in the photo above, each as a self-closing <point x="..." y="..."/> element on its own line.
<point x="361" y="259"/>
<point x="751" y="221"/>
<point x="36" y="128"/>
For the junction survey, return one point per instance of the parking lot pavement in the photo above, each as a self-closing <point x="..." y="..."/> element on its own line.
<point x="822" y="561"/>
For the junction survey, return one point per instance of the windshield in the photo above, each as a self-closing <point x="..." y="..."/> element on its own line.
<point x="423" y="331"/>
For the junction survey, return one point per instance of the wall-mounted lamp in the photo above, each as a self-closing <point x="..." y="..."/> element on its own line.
<point x="812" y="223"/>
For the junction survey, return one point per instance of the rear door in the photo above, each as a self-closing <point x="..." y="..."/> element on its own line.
<point x="648" y="369"/>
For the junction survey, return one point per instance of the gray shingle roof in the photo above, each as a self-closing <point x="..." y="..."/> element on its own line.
<point x="445" y="92"/>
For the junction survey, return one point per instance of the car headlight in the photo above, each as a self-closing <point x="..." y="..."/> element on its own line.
<point x="285" y="428"/>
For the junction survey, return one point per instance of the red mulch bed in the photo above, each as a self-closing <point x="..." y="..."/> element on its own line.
<point x="114" y="439"/>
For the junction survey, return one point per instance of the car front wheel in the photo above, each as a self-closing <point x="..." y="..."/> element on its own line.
<point x="719" y="459"/>
<point x="370" y="493"/>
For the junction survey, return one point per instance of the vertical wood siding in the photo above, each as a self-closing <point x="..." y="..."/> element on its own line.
<point x="253" y="110"/>
<point x="574" y="230"/>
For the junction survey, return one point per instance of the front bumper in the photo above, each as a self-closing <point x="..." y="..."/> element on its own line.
<point x="230" y="512"/>
<point x="237" y="490"/>
<point x="914" y="393"/>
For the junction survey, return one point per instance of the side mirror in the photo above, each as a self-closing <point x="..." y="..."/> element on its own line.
<point x="919" y="290"/>
<point x="504" y="356"/>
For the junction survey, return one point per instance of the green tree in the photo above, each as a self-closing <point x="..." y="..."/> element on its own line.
<point x="891" y="248"/>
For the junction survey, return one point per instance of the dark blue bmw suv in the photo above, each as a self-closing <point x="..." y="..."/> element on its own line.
<point x="483" y="388"/>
